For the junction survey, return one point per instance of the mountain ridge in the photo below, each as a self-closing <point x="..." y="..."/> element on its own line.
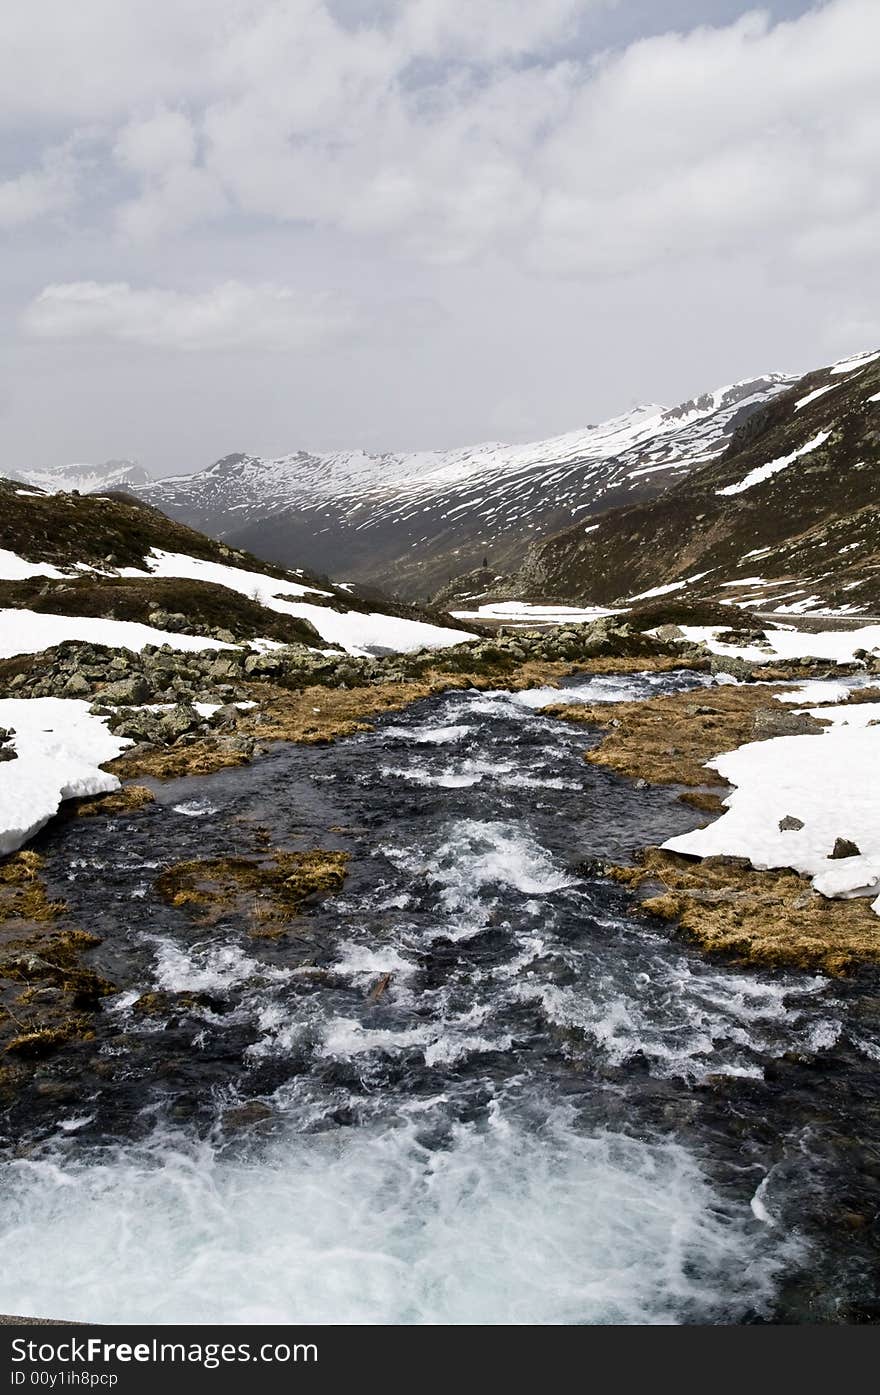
<point x="85" y="478"/>
<point x="785" y="519"/>
<point x="411" y="521"/>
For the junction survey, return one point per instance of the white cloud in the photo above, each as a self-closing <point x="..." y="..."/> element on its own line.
<point x="458" y="131"/>
<point x="749" y="138"/>
<point x="595" y="226"/>
<point x="50" y="188"/>
<point x="231" y="315"/>
<point x="175" y="190"/>
<point x="149" y="146"/>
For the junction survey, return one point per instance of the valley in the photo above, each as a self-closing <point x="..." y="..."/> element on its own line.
<point x="335" y="930"/>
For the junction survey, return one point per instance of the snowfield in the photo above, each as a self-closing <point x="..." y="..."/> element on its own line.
<point x="828" y="781"/>
<point x="60" y="747"/>
<point x="31" y="631"/>
<point x="838" y="646"/>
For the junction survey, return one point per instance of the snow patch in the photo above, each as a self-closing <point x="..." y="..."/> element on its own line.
<point x="659" y="591"/>
<point x="764" y="472"/>
<point x="15" y="568"/>
<point x="829" y="782"/>
<point x="536" y="614"/>
<point x="812" y="396"/>
<point x="60" y="747"/>
<point x="862" y="360"/>
<point x="838" y="646"/>
<point x="30" y="632"/>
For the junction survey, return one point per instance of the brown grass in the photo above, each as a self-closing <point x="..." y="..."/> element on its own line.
<point x="319" y="714"/>
<point x="770" y="919"/>
<point x="128" y="800"/>
<point x="47" y="993"/>
<point x="268" y="892"/>
<point x="667" y="740"/>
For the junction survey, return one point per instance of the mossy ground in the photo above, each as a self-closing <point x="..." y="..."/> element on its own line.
<point x="668" y="739"/>
<point x="268" y="892"/>
<point x="48" y="994"/>
<point x="128" y="800"/>
<point x="769" y="919"/>
<point x="319" y="714"/>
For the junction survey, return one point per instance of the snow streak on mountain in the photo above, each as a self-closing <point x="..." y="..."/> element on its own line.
<point x="410" y="521"/>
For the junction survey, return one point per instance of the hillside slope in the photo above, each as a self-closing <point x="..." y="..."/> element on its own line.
<point x="786" y="519"/>
<point x="81" y="567"/>
<point x="410" y="522"/>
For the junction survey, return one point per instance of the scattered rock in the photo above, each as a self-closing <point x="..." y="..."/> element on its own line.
<point x="790" y="824"/>
<point x="244" y="1116"/>
<point x="127" y="692"/>
<point x="76" y="686"/>
<point x="380" y="987"/>
<point x="845" y="847"/>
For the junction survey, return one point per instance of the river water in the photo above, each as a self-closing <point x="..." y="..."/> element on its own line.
<point x="557" y="1112"/>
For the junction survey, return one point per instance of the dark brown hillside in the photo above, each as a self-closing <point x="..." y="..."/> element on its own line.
<point x="111" y="531"/>
<point x="814" y="524"/>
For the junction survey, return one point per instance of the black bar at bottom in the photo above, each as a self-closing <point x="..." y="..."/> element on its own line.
<point x="134" y="1359"/>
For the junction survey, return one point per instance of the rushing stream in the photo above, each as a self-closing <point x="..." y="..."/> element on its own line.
<point x="557" y="1112"/>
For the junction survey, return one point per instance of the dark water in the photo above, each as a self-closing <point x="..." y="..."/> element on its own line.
<point x="557" y="1112"/>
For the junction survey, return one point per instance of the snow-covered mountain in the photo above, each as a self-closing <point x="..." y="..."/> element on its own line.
<point x="87" y="479"/>
<point x="410" y="521"/>
<point x="786" y="520"/>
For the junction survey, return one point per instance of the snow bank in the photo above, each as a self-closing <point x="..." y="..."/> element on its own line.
<point x="30" y="632"/>
<point x="60" y="747"/>
<point x="829" y="782"/>
<point x="536" y="614"/>
<point x="357" y="633"/>
<point x="838" y="646"/>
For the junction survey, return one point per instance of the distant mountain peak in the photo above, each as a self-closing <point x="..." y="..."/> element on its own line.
<point x="409" y="520"/>
<point x="87" y="478"/>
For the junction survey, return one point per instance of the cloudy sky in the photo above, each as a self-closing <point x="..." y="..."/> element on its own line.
<point x="266" y="224"/>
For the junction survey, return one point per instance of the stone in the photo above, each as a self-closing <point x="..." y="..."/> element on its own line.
<point x="845" y="847"/>
<point x="76" y="686"/>
<point x="127" y="692"/>
<point x="181" y="719"/>
<point x="790" y="824"/>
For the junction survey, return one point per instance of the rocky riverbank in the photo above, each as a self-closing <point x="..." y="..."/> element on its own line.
<point x="767" y="918"/>
<point x="158" y="697"/>
<point x="195" y="713"/>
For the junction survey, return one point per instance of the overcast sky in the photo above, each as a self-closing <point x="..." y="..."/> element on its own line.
<point x="270" y="224"/>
